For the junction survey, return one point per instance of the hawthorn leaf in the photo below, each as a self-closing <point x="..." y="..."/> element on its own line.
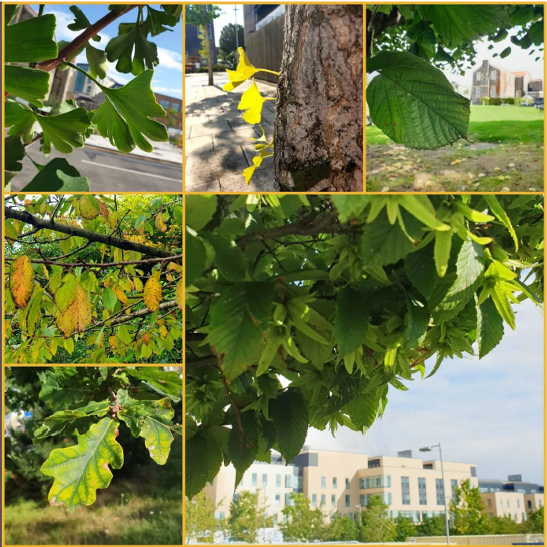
<point x="413" y="102"/>
<point x="125" y="116"/>
<point x="31" y="40"/>
<point x="29" y="84"/>
<point x="81" y="469"/>
<point x="58" y="176"/>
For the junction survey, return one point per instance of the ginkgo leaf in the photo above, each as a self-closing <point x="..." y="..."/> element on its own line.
<point x="31" y="40"/>
<point x="152" y="295"/>
<point x="125" y="116"/>
<point x="251" y="102"/>
<point x="58" y="176"/>
<point x="157" y="18"/>
<point x="257" y="161"/>
<point x="82" y="469"/>
<point x="20" y="119"/>
<point x="29" y="84"/>
<point x="21" y="281"/>
<point x="243" y="72"/>
<point x="89" y="207"/>
<point x="413" y="102"/>
<point x="80" y="309"/>
<point x="14" y="153"/>
<point x="65" y="131"/>
<point x="179" y="295"/>
<point x="98" y="64"/>
<point x="81" y="22"/>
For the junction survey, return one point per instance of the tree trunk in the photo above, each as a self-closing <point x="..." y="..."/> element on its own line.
<point x="319" y="118"/>
<point x="209" y="53"/>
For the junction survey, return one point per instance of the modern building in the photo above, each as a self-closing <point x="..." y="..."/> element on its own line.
<point x="512" y="498"/>
<point x="342" y="482"/>
<point x="495" y="82"/>
<point x="193" y="46"/>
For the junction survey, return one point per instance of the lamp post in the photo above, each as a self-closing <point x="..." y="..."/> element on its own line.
<point x="429" y="449"/>
<point x="237" y="41"/>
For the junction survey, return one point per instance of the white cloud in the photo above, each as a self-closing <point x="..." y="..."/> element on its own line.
<point x="62" y="32"/>
<point x="170" y="59"/>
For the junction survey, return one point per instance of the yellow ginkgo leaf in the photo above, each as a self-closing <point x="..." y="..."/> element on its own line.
<point x="262" y="142"/>
<point x="257" y="160"/>
<point x="252" y="102"/>
<point x="243" y="71"/>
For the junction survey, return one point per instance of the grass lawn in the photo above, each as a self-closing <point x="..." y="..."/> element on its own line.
<point x="491" y="124"/>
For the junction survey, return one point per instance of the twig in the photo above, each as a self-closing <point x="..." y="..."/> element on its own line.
<point x="175" y="258"/>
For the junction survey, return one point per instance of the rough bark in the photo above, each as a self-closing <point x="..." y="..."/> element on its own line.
<point x="319" y="119"/>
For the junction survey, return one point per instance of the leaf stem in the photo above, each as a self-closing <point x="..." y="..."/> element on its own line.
<point x="79" y="69"/>
<point x="269" y="71"/>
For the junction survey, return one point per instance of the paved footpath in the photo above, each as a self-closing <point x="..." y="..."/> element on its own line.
<point x="218" y="147"/>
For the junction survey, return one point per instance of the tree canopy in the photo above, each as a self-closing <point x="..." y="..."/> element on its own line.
<point x="93" y="280"/>
<point x="304" y="311"/>
<point x="410" y="99"/>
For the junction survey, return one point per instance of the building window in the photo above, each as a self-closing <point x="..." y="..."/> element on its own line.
<point x="323" y="482"/>
<point x="347" y="501"/>
<point x="494" y="75"/>
<point x="264" y="479"/>
<point x="439" y="486"/>
<point x="508" y="504"/>
<point x="175" y="107"/>
<point x="454" y="485"/>
<point x="254" y="479"/>
<point x="278" y="481"/>
<point x="374" y="463"/>
<point x="347" y="484"/>
<point x="405" y="490"/>
<point x="323" y="499"/>
<point x="473" y="471"/>
<point x="529" y="504"/>
<point x="518" y="504"/>
<point x="334" y="482"/>
<point x="288" y="501"/>
<point x="277" y="500"/>
<point x="165" y="104"/>
<point x="380" y="481"/>
<point x="314" y="500"/>
<point x="489" y="504"/>
<point x="333" y="500"/>
<point x="422" y="491"/>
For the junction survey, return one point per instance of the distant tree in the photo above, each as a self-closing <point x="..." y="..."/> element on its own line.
<point x="246" y="517"/>
<point x="535" y="523"/>
<point x="374" y="524"/>
<point x="200" y="15"/>
<point x="432" y="526"/>
<point x="227" y="41"/>
<point x="302" y="522"/>
<point x="200" y="519"/>
<point x="468" y="510"/>
<point x="404" y="528"/>
<point x="503" y="525"/>
<point x="341" y="528"/>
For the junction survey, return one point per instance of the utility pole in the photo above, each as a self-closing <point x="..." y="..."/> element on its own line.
<point x="235" y="15"/>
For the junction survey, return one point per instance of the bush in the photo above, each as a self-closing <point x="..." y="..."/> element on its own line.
<point x="485" y="100"/>
<point x="216" y="68"/>
<point x="497" y="101"/>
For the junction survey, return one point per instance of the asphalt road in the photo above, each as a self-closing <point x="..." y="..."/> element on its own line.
<point x="109" y="171"/>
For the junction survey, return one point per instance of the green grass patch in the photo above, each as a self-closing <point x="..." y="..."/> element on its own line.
<point x="495" y="124"/>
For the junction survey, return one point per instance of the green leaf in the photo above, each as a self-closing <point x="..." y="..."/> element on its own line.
<point x="157" y="18"/>
<point x="443" y="245"/>
<point x="195" y="257"/>
<point x="65" y="131"/>
<point x="421" y="208"/>
<point x="31" y="40"/>
<point x="200" y="210"/>
<point x="243" y="444"/>
<point x="289" y="412"/>
<point x="365" y="407"/>
<point x="98" y="64"/>
<point x="165" y="383"/>
<point x="240" y="313"/>
<point x="489" y="327"/>
<point x="81" y="469"/>
<point x="413" y="102"/>
<point x="416" y="320"/>
<point x="502" y="216"/>
<point x="9" y="12"/>
<point x="203" y="458"/>
<point x="109" y="299"/>
<point x="29" y="84"/>
<point x="58" y="176"/>
<point x="126" y="115"/>
<point x="349" y="207"/>
<point x="499" y="296"/>
<point x="505" y="53"/>
<point x="229" y="258"/>
<point x="350" y="320"/>
<point x="421" y="270"/>
<point x="21" y="119"/>
<point x="14" y="154"/>
<point x="458" y="23"/>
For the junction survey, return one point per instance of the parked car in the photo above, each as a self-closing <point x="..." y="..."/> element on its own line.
<point x="538" y="103"/>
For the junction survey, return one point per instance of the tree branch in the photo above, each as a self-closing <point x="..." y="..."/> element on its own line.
<point x="120" y="243"/>
<point x="69" y="51"/>
<point x="140" y="313"/>
<point x="174" y="258"/>
<point x="209" y="361"/>
<point x="310" y="225"/>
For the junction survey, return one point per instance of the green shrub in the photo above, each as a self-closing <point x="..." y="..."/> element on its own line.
<point x="485" y="100"/>
<point x="216" y="68"/>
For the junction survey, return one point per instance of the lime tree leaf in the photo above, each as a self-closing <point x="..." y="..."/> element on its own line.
<point x="15" y="153"/>
<point x="289" y="412"/>
<point x="203" y="457"/>
<point x="98" y="64"/>
<point x="125" y="116"/>
<point x="240" y="313"/>
<point x="489" y="327"/>
<point x="31" y="40"/>
<point x="464" y="22"/>
<point x="81" y="469"/>
<point x="29" y="84"/>
<point x="200" y="210"/>
<point x="243" y="443"/>
<point x="65" y="131"/>
<point x="413" y="102"/>
<point x="350" y="320"/>
<point x="58" y="176"/>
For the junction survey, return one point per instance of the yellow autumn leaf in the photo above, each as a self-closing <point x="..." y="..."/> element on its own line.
<point x="81" y="310"/>
<point x="262" y="142"/>
<point x="179" y="295"/>
<point x="89" y="207"/>
<point x="113" y="341"/>
<point x="243" y="72"/>
<point x="146" y="338"/>
<point x="21" y="281"/>
<point x="138" y="284"/>
<point x="122" y="297"/>
<point x="252" y="102"/>
<point x="104" y="210"/>
<point x="65" y="322"/>
<point x="169" y="277"/>
<point x="160" y="224"/>
<point x="152" y="295"/>
<point x="257" y="160"/>
<point x="163" y="331"/>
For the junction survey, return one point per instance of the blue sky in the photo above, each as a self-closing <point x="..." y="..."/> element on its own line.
<point x="167" y="75"/>
<point x="487" y="412"/>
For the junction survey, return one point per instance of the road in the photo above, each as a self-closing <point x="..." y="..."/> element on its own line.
<point x="109" y="171"/>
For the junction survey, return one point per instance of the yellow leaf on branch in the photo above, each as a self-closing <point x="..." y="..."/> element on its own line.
<point x="21" y="281"/>
<point x="152" y="295"/>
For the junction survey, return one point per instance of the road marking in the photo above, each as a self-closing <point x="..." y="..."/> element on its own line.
<point x="131" y="171"/>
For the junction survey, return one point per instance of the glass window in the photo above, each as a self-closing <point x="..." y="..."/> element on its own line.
<point x="405" y="490"/>
<point x="164" y="103"/>
<point x="347" y="501"/>
<point x="439" y="486"/>
<point x="323" y="499"/>
<point x="277" y="500"/>
<point x="334" y="482"/>
<point x="314" y="500"/>
<point x="508" y="504"/>
<point x="422" y="491"/>
<point x="529" y="504"/>
<point x="333" y="500"/>
<point x="347" y="484"/>
<point x="175" y="107"/>
<point x="323" y="482"/>
<point x="254" y="479"/>
<point x="489" y="504"/>
<point x="278" y="481"/>
<point x="518" y="504"/>
<point x="454" y="485"/>
<point x="288" y="500"/>
<point x="264" y="479"/>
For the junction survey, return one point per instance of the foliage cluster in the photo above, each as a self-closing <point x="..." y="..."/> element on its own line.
<point x="305" y="310"/>
<point x="410" y="99"/>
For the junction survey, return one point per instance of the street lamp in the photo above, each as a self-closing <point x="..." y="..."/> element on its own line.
<point x="429" y="449"/>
